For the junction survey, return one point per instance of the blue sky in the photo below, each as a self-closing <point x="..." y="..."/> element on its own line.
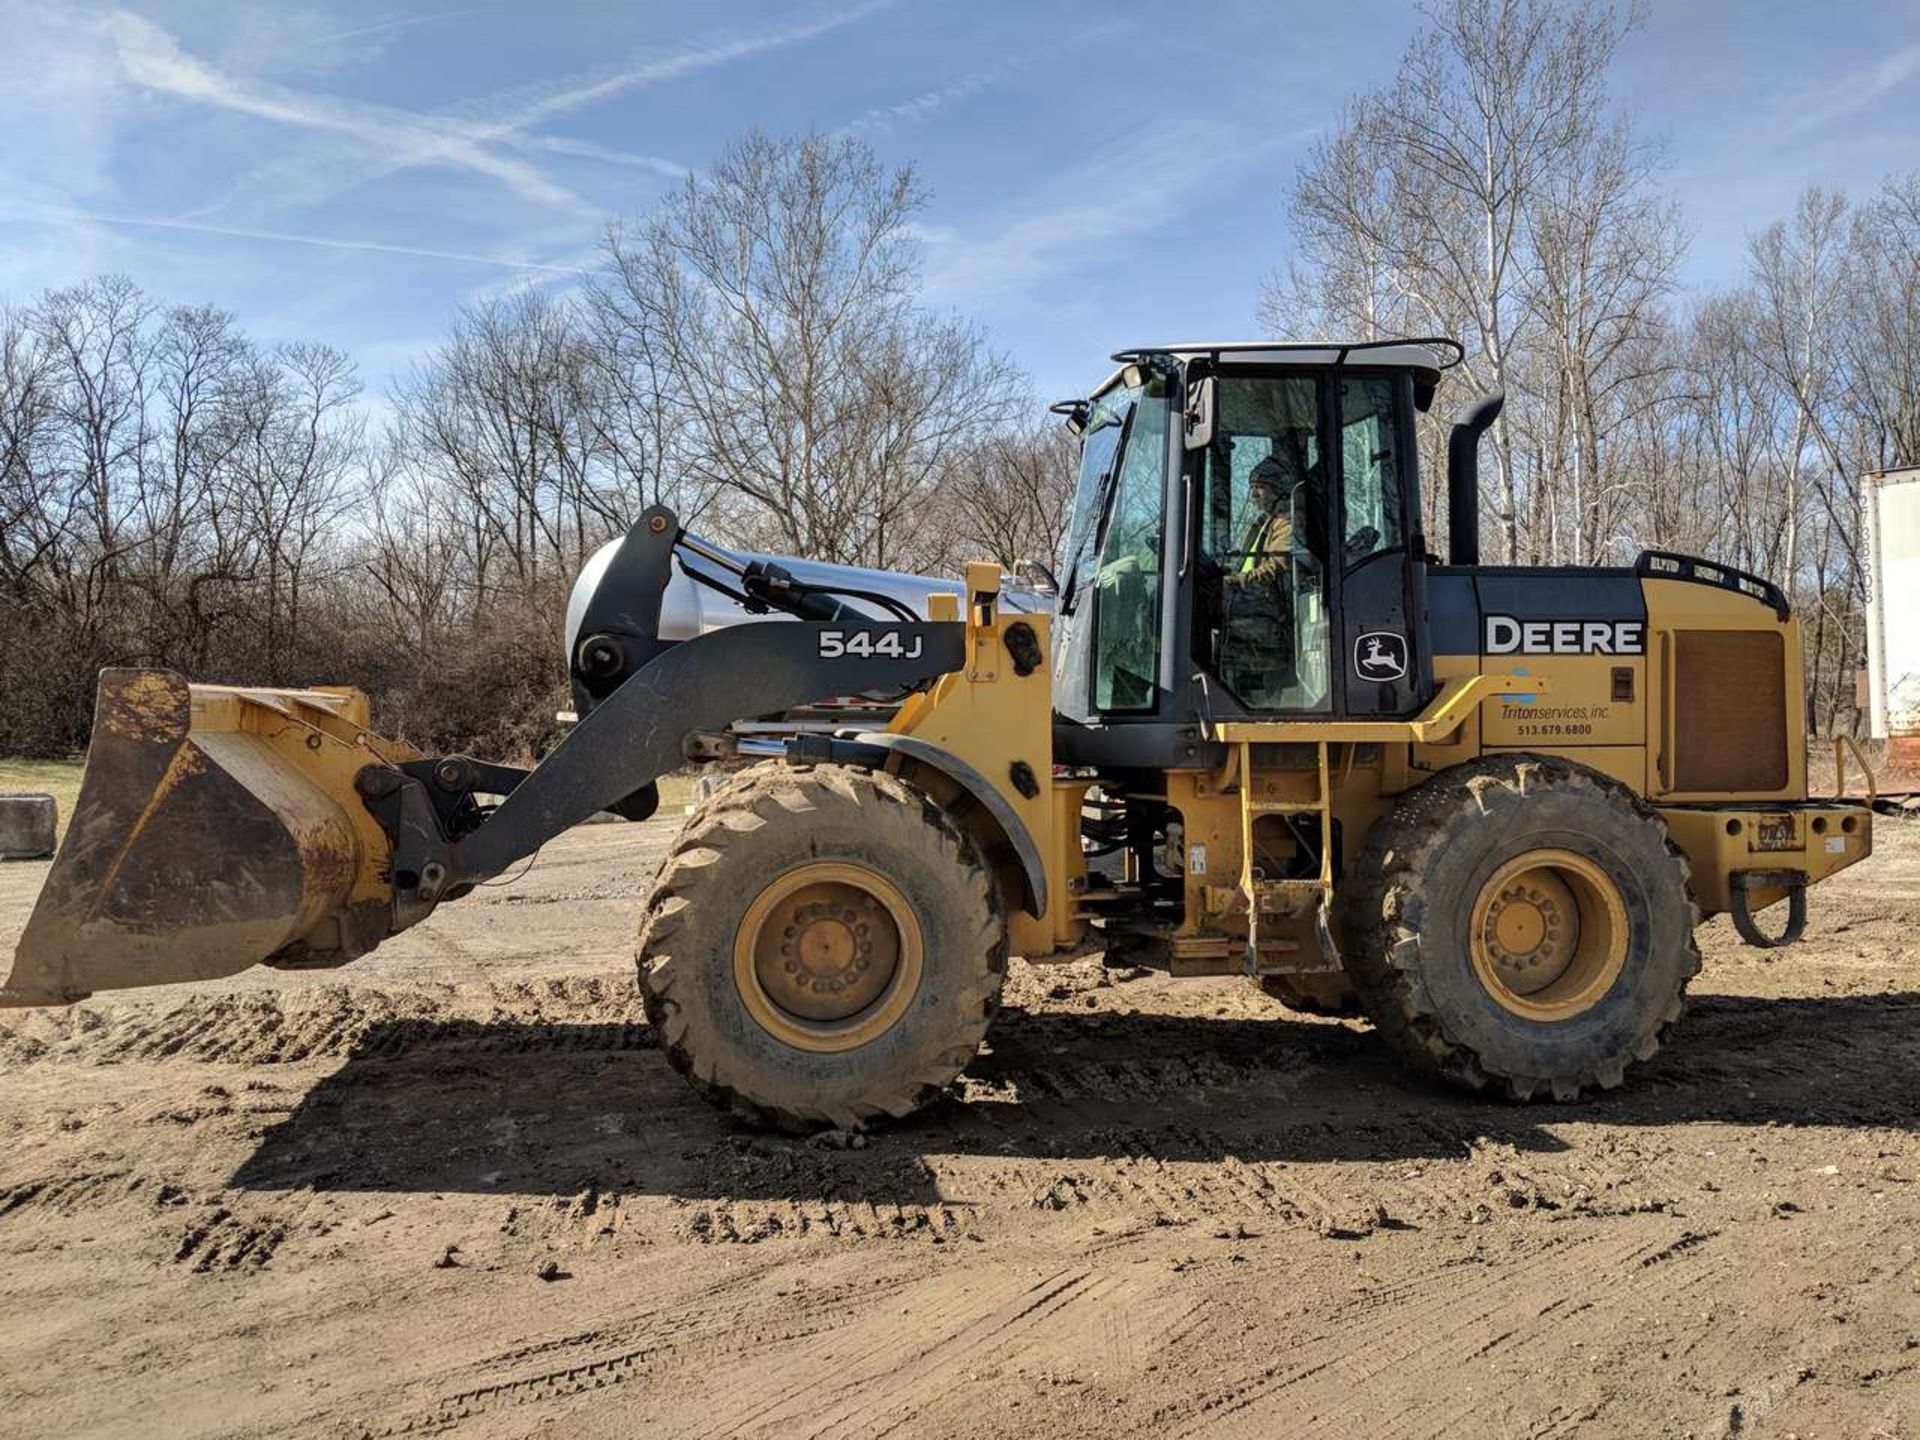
<point x="1102" y="175"/>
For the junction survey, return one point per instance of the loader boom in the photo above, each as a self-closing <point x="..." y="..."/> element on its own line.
<point x="222" y="827"/>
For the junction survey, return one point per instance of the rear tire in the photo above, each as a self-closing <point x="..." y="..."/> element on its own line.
<point x="1524" y="923"/>
<point x="823" y="948"/>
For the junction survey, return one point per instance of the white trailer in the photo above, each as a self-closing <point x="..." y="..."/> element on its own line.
<point x="1891" y="504"/>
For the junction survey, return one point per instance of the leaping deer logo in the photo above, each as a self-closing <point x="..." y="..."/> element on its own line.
<point x="1380" y="655"/>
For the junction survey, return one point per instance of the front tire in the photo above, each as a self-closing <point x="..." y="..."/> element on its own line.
<point x="823" y="947"/>
<point x="1524" y="923"/>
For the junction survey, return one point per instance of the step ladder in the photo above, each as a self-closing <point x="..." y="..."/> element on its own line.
<point x="1287" y="897"/>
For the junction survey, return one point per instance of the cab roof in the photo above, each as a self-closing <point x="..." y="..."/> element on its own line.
<point x="1429" y="353"/>
<point x="1425" y="356"/>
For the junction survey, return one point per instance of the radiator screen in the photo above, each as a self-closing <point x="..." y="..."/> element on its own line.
<point x="1729" y="711"/>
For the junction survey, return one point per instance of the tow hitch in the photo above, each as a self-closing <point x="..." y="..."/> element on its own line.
<point x="1744" y="882"/>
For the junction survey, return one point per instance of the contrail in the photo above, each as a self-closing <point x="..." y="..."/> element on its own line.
<point x="324" y="242"/>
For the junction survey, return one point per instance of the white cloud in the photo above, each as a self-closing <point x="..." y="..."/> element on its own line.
<point x="373" y="141"/>
<point x="288" y="237"/>
<point x="313" y="37"/>
<point x="1855" y="92"/>
<point x="151" y="58"/>
<point x="55" y="89"/>
<point x="1143" y="181"/>
<point x="605" y="154"/>
<point x="388" y="27"/>
<point x="928" y="103"/>
<point x="538" y="104"/>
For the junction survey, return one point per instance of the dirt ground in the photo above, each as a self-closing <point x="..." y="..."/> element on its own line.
<point x="455" y="1189"/>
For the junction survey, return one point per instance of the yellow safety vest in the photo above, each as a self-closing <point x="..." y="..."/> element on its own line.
<point x="1268" y="538"/>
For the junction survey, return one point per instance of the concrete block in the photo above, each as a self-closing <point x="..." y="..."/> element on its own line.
<point x="27" y="824"/>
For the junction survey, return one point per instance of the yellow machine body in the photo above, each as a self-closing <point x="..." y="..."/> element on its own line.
<point x="1718" y="750"/>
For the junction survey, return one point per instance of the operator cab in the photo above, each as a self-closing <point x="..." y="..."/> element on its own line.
<point x="1246" y="543"/>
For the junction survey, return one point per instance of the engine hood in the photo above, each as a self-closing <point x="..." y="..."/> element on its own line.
<point x="689" y="608"/>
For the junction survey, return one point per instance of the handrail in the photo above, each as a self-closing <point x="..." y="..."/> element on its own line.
<point x="1447" y="711"/>
<point x="1671" y="565"/>
<point x="1842" y="744"/>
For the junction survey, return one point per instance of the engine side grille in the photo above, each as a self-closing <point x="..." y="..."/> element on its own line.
<point x="1729" y="711"/>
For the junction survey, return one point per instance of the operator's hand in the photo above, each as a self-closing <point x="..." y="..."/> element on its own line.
<point x="1267" y="572"/>
<point x="1114" y="571"/>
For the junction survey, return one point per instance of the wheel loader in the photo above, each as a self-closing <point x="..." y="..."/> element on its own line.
<point x="1248" y="725"/>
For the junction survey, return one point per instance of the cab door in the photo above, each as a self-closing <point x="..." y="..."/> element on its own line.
<point x="1382" y="657"/>
<point x="1107" y="660"/>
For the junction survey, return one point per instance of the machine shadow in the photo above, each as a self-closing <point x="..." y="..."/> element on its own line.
<point x="557" y="1109"/>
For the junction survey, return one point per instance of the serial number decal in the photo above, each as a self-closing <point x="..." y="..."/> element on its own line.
<point x="1506" y="635"/>
<point x="835" y="643"/>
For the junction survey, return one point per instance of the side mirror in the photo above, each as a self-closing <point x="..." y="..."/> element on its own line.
<point x="1073" y="414"/>
<point x="1036" y="575"/>
<point x="1199" y="412"/>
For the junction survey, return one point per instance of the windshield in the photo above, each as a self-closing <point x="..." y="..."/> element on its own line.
<point x="1099" y="442"/>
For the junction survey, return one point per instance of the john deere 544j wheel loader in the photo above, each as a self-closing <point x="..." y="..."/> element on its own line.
<point x="1259" y="730"/>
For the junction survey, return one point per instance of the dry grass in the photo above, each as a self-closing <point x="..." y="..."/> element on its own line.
<point x="58" y="778"/>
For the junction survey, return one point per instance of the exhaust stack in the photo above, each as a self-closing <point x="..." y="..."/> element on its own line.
<point x="1463" y="478"/>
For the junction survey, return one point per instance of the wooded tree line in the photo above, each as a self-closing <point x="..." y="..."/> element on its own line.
<point x="755" y="353"/>
<point x="1494" y="193"/>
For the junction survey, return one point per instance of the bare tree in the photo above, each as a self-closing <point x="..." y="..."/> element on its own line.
<point x="512" y="416"/>
<point x="1479" y="194"/>
<point x="1880" y="339"/>
<point x="169" y="494"/>
<point x="1797" y="275"/>
<point x="1004" y="498"/>
<point x="1604" y="248"/>
<point x="811" y="396"/>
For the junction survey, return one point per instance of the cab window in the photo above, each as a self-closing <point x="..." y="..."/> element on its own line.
<point x="1261" y="609"/>
<point x="1126" y="622"/>
<point x="1369" y="468"/>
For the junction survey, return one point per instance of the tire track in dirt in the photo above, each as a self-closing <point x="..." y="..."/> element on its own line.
<point x="880" y="1382"/>
<point x="842" y="1360"/>
<point x="699" y="1335"/>
<point x="1172" y="1176"/>
<point x="750" y="1222"/>
<point x="222" y="1240"/>
<point x="267" y="1027"/>
<point x="71" y="1194"/>
<point x="202" y="1231"/>
<point x="1113" y="1081"/>
<point x="1343" y="1380"/>
<point x="864" y="1379"/>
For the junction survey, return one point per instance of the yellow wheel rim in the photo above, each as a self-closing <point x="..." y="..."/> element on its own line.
<point x="1549" y="934"/>
<point x="828" y="956"/>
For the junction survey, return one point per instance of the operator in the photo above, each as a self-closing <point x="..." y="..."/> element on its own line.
<point x="1274" y="489"/>
<point x="1259" y="644"/>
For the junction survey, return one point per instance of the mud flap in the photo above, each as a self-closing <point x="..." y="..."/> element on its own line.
<point x="194" y="852"/>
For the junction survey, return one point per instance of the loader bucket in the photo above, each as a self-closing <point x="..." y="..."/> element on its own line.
<point x="216" y="828"/>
